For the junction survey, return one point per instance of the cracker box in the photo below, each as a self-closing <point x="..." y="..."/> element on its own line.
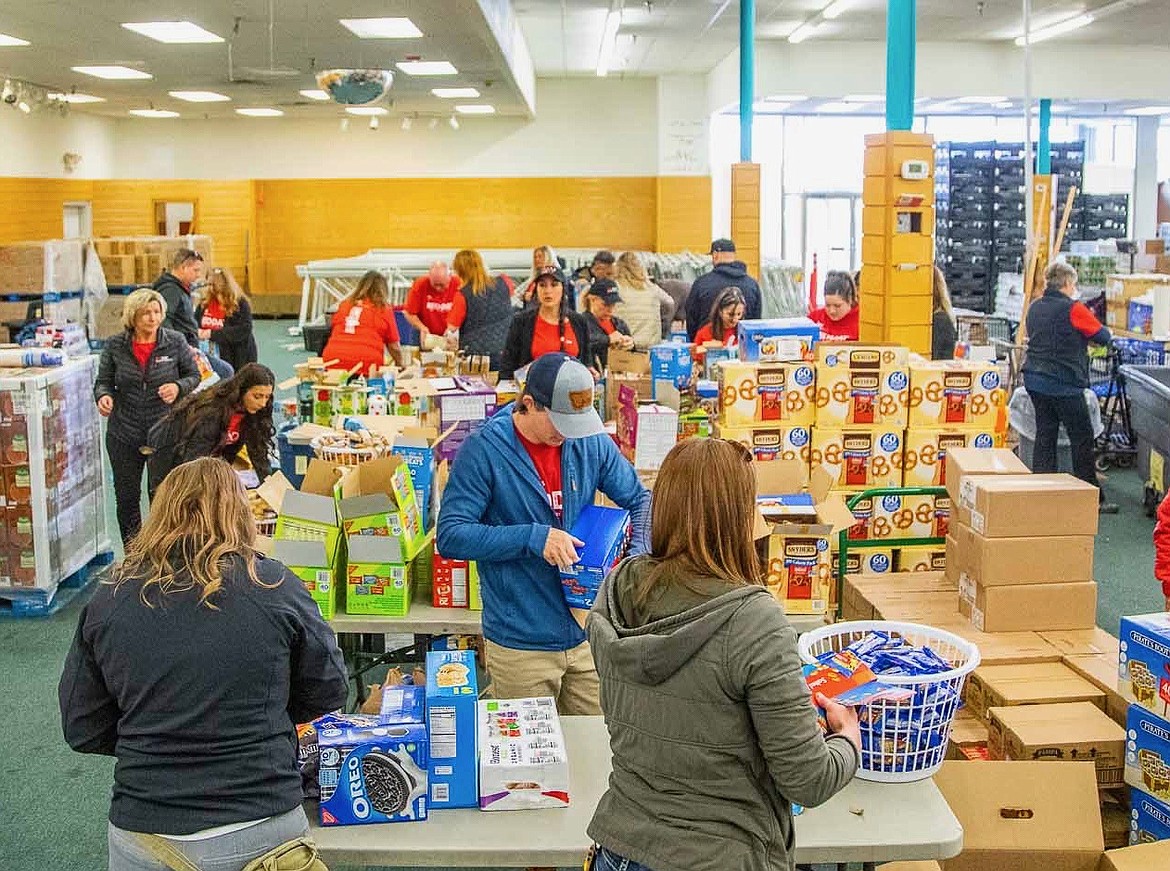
<point x="1072" y="732"/>
<point x="523" y="763"/>
<point x="605" y="532"/>
<point x="861" y="397"/>
<point x="310" y="513"/>
<point x="1147" y="752"/>
<point x="452" y="691"/>
<point x="670" y="362"/>
<point x="926" y="452"/>
<point x="859" y="356"/>
<point x="920" y="559"/>
<point x="1149" y="819"/>
<point x="956" y="393"/>
<point x="378" y="579"/>
<point x="372" y="773"/>
<point x="1144" y="675"/>
<point x="859" y="458"/>
<point x="378" y="500"/>
<point x="404" y="703"/>
<point x="764" y="394"/>
<point x="449" y="582"/>
<point x="792" y="443"/>
<point x="777" y="339"/>
<point x="317" y="566"/>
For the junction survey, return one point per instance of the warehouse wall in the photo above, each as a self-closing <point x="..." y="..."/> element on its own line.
<point x="33" y="144"/>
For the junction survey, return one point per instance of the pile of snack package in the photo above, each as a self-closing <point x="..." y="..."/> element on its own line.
<point x="432" y="744"/>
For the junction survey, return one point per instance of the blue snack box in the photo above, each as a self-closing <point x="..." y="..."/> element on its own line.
<point x="404" y="703"/>
<point x="1149" y="819"/>
<point x="452" y="690"/>
<point x="670" y="362"/>
<point x="1147" y="752"/>
<point x="777" y="339"/>
<point x="1144" y="668"/>
<point x="604" y="531"/>
<point x="372" y="773"/>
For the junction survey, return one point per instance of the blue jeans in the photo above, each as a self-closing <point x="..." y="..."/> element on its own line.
<point x="222" y="368"/>
<point x="610" y="861"/>
<point x="229" y="852"/>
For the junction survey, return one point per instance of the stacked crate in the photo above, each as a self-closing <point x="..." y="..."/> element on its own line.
<point x="1104" y="216"/>
<point x="965" y="252"/>
<point x="1009" y="217"/>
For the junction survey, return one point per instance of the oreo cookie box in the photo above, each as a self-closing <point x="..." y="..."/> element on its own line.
<point x="523" y="763"/>
<point x="452" y="690"/>
<point x="372" y="773"/>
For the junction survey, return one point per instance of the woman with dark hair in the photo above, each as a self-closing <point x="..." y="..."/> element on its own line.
<point x="725" y="317"/>
<point x="840" y="318"/>
<point x="191" y="665"/>
<point x="546" y="327"/>
<point x="364" y="328"/>
<point x="233" y="414"/>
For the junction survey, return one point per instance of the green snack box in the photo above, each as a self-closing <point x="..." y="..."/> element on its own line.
<point x="378" y="579"/>
<point x="316" y="564"/>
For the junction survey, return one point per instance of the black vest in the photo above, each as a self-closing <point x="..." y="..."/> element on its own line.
<point x="489" y="314"/>
<point x="1056" y="348"/>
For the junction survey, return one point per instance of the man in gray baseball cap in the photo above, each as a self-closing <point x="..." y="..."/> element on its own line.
<point x="517" y="487"/>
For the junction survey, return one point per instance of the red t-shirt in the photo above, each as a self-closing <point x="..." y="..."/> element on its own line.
<point x="432" y="306"/>
<point x="844" y="330"/>
<point x="360" y="334"/>
<point x="607" y="325"/>
<point x="142" y="351"/>
<point x="706" y="334"/>
<point x="547" y="338"/>
<point x="233" y="428"/>
<point x="547" y="460"/>
<point x="213" y="316"/>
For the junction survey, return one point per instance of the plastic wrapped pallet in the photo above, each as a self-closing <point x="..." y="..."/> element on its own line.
<point x="41" y="267"/>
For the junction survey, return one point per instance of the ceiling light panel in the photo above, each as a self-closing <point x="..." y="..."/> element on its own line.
<point x="367" y="110"/>
<point x="427" y="68"/>
<point x="1148" y="110"/>
<point x="153" y="113"/>
<point x="174" y="32"/>
<point x="456" y="93"/>
<point x="260" y="112"/>
<point x="476" y="109"/>
<point x="12" y="41"/>
<point x="382" y="28"/>
<point x="200" y="96"/>
<point x="315" y="94"/>
<point x="1059" y="29"/>
<point x="77" y="98"/>
<point x="113" y="73"/>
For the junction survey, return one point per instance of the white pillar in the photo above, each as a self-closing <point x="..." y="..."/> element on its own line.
<point x="1144" y="205"/>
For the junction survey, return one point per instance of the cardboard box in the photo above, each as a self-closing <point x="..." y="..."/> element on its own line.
<point x="1144" y="672"/>
<point x="1141" y="857"/>
<point x="1147" y="753"/>
<point x="308" y="514"/>
<point x="1085" y="642"/>
<point x="772" y="443"/>
<point x="639" y="385"/>
<point x="860" y="356"/>
<point x="1018" y="506"/>
<point x="865" y="561"/>
<point x="1101" y="671"/>
<point x="403" y="703"/>
<point x="372" y="774"/>
<point x="449" y="582"/>
<point x="377" y="580"/>
<point x="670" y="362"/>
<point x="859" y="458"/>
<point x="655" y="435"/>
<point x="752" y="395"/>
<point x="523" y="763"/>
<point x="920" y="559"/>
<point x="969" y="737"/>
<point x="377" y="499"/>
<point x="318" y="565"/>
<point x="963" y="463"/>
<point x="452" y="693"/>
<point x="1076" y="732"/>
<point x="893" y="517"/>
<point x="926" y="451"/>
<point x="474" y="599"/>
<point x="1035" y="607"/>
<point x="1023" y="816"/>
<point x="1149" y="820"/>
<point x="606" y="532"/>
<point x="1037" y="683"/>
<point x="777" y="339"/>
<point x="456" y="406"/>
<point x="861" y="397"/>
<point x="994" y="562"/>
<point x="956" y="393"/>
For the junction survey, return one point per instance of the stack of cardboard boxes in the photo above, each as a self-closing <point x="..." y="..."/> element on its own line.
<point x="136" y="260"/>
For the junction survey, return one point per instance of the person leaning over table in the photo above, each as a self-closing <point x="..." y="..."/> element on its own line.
<point x="142" y="372"/>
<point x="481" y="313"/>
<point x="548" y="326"/>
<point x="191" y="666"/>
<point x="429" y="302"/>
<point x="364" y="328"/>
<point x="1056" y="374"/>
<point x="605" y="329"/>
<point x="711" y="726"/>
<point x="840" y="317"/>
<point x="517" y="487"/>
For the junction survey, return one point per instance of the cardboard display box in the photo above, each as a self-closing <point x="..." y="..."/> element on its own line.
<point x="862" y="356"/>
<point x="1101" y="671"/>
<point x="377" y="499"/>
<point x="1019" y="506"/>
<point x="1147" y="754"/>
<point x="861" y="397"/>
<point x="1149" y="820"/>
<point x="452" y="692"/>
<point x="859" y="458"/>
<point x="927" y="449"/>
<point x="523" y="763"/>
<point x="1144" y="673"/>
<point x="768" y="444"/>
<point x="1023" y="816"/>
<point x="1039" y="683"/>
<point x="318" y="565"/>
<point x="964" y="463"/>
<point x="896" y="517"/>
<point x="378" y="581"/>
<point x="956" y="393"/>
<point x="996" y="562"/>
<point x="777" y="339"/>
<point x="1076" y="732"/>
<point x="1036" y="607"/>
<point x="753" y="395"/>
<point x="921" y="559"/>
<point x="1142" y="857"/>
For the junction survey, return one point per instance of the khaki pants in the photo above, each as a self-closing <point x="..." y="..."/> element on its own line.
<point x="569" y="676"/>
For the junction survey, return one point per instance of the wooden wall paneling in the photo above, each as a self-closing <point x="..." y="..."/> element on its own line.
<point x="32" y="208"/>
<point x="684" y="213"/>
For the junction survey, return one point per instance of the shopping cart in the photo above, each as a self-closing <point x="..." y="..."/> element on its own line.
<point x="985" y="329"/>
<point x="1117" y="445"/>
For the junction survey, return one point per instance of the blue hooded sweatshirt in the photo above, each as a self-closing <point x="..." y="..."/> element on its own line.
<point x="495" y="511"/>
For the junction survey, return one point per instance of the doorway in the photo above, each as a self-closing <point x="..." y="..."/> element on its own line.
<point x="174" y="218"/>
<point x="831" y="225"/>
<point x="77" y="220"/>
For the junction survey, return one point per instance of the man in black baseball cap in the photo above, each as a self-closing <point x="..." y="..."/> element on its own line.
<point x="727" y="272"/>
<point x="517" y="487"/>
<point x="605" y="330"/>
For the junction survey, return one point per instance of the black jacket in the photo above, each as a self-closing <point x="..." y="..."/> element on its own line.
<point x="235" y="341"/>
<point x="943" y="336"/>
<point x="199" y="705"/>
<point x="1057" y="350"/>
<point x="176" y="439"/>
<point x="707" y="288"/>
<point x="518" y="347"/>
<point x="599" y="338"/>
<point x="180" y="314"/>
<point x="137" y="405"/>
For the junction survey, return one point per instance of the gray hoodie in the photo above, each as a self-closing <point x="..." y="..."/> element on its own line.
<point x="711" y="726"/>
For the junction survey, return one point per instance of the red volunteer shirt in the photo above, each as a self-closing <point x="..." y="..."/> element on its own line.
<point x="213" y="316"/>
<point x="844" y="330"/>
<point x="233" y="428"/>
<point x="142" y="351"/>
<point x="432" y="306"/>
<point x="360" y="335"/>
<point x="547" y="460"/>
<point x="606" y="324"/>
<point x="547" y="338"/>
<point x="706" y="334"/>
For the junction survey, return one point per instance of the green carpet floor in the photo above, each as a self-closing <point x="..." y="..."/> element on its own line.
<point x="53" y="802"/>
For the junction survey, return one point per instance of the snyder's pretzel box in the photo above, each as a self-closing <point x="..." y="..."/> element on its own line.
<point x="777" y="339"/>
<point x="1147" y="752"/>
<point x="956" y="393"/>
<point x="859" y="458"/>
<point x="372" y="773"/>
<point x="767" y="443"/>
<point x="926" y="452"/>
<point x="765" y="394"/>
<point x="1144" y="674"/>
<point x="865" y="561"/>
<point x="862" y="386"/>
<point x="858" y="355"/>
<point x="523" y="763"/>
<point x="895" y="517"/>
<point x="920" y="559"/>
<point x="800" y="559"/>
<point x="452" y="691"/>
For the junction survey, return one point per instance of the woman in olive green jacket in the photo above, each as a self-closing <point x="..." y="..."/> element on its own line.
<point x="712" y="729"/>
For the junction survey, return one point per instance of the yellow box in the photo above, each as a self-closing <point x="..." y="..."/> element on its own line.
<point x="926" y="451"/>
<point x="861" y="397"/>
<point x="860" y="355"/>
<point x="899" y="310"/>
<point x="866" y="561"/>
<point x="800" y="568"/>
<point x="895" y="518"/>
<point x="894" y="220"/>
<point x="956" y="393"/>
<point x="921" y="559"/>
<point x="906" y="248"/>
<point x="858" y="458"/>
<point x="916" y="338"/>
<point x="766" y="394"/>
<point x="773" y="443"/>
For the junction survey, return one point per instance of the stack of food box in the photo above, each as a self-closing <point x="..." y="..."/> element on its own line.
<point x="130" y="260"/>
<point x="1144" y="680"/>
<point x="1121" y="292"/>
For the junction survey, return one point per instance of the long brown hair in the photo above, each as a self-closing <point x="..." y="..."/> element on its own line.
<point x="222" y="287"/>
<point x="702" y="516"/>
<point x="942" y="296"/>
<point x="372" y="288"/>
<point x="730" y="296"/>
<point x="469" y="267"/>
<point x="199" y="521"/>
<point x="630" y="270"/>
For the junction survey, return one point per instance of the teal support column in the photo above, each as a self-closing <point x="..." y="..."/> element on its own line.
<point x="1044" y="144"/>
<point x="747" y="76"/>
<point x="901" y="40"/>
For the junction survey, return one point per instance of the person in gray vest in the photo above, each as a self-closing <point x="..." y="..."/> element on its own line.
<point x="481" y="313"/>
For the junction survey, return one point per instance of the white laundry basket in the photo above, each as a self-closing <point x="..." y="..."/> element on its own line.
<point x="903" y="741"/>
